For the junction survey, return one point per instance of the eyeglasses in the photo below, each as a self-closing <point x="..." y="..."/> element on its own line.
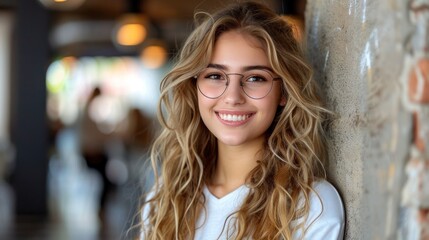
<point x="256" y="83"/>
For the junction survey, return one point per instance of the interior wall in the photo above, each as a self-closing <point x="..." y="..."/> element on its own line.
<point x="357" y="48"/>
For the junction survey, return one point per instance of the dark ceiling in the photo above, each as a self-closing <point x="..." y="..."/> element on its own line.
<point x="87" y="30"/>
<point x="163" y="10"/>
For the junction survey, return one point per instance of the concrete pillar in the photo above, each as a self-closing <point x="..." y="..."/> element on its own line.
<point x="358" y="49"/>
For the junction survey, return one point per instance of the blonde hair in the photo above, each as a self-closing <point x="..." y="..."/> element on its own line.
<point x="185" y="151"/>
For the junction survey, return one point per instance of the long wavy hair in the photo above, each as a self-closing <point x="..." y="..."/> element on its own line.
<point x="185" y="153"/>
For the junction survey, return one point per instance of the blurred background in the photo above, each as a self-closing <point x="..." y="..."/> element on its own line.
<point x="79" y="84"/>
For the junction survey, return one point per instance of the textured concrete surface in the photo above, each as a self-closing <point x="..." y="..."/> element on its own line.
<point x="357" y="48"/>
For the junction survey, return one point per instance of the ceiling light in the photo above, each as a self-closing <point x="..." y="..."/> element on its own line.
<point x="62" y="5"/>
<point x="130" y="32"/>
<point x="154" y="56"/>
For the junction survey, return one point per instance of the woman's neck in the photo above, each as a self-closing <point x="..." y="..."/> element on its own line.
<point x="233" y="166"/>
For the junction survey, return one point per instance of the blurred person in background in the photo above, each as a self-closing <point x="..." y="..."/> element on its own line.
<point x="137" y="131"/>
<point x="93" y="145"/>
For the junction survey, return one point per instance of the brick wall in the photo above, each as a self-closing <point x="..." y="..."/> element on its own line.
<point x="415" y="195"/>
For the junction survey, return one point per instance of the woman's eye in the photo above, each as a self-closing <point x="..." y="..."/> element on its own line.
<point x="256" y="79"/>
<point x="214" y="76"/>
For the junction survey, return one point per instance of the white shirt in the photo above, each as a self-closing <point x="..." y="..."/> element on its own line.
<point x="325" y="221"/>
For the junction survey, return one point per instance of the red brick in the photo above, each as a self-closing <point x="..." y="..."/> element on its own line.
<point x="418" y="140"/>
<point x="418" y="84"/>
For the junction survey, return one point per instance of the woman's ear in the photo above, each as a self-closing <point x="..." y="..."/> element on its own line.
<point x="282" y="101"/>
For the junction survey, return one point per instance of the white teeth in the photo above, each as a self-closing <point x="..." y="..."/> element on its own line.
<point x="233" y="118"/>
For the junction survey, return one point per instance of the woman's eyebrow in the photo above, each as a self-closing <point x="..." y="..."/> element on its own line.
<point x="218" y="66"/>
<point x="257" y="67"/>
<point x="245" y="68"/>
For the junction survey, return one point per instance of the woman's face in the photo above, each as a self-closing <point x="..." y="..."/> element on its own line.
<point x="234" y="118"/>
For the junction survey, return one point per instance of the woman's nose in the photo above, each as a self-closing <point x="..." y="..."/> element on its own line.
<point x="234" y="92"/>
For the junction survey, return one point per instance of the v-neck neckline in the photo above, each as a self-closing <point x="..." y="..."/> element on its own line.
<point x="228" y="196"/>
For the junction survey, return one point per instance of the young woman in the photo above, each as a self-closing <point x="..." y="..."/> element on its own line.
<point x="241" y="151"/>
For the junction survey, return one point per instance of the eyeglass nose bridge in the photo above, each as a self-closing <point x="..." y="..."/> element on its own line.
<point x="236" y="74"/>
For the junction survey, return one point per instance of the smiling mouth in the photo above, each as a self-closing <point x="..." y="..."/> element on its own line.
<point x="234" y="117"/>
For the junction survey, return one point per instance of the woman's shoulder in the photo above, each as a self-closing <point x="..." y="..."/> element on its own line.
<point x="326" y="200"/>
<point x="325" y="219"/>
